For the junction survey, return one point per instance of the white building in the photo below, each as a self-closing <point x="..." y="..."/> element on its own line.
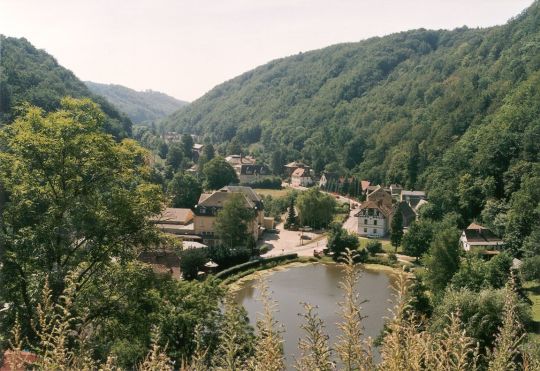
<point x="374" y="219"/>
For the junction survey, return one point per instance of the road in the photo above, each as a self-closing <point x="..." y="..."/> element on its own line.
<point x="288" y="242"/>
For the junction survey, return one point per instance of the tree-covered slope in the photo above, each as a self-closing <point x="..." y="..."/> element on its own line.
<point x="141" y="106"/>
<point x="454" y="112"/>
<point x="34" y="76"/>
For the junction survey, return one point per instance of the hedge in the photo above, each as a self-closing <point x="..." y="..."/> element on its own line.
<point x="254" y="263"/>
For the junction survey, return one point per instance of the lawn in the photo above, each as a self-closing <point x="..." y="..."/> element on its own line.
<point x="272" y="192"/>
<point x="386" y="245"/>
<point x="532" y="289"/>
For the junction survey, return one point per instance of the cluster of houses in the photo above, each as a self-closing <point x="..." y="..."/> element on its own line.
<point x="375" y="214"/>
<point x="299" y="173"/>
<point x="196" y="227"/>
<point x="247" y="169"/>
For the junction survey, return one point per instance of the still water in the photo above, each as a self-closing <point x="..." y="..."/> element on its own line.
<point x="318" y="284"/>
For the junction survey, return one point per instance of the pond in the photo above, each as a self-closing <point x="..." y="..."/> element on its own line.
<point x="318" y="284"/>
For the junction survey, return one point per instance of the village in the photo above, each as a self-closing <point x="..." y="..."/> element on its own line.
<point x="371" y="208"/>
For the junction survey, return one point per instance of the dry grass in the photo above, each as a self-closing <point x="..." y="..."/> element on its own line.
<point x="275" y="193"/>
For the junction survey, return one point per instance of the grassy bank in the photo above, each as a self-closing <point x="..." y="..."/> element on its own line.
<point x="235" y="280"/>
<point x="532" y="289"/>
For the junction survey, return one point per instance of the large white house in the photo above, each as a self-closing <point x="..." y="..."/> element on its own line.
<point x="374" y="219"/>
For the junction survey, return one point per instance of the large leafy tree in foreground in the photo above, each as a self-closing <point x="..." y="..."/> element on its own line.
<point x="74" y="200"/>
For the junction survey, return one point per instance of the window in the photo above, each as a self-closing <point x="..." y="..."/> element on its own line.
<point x="365" y="221"/>
<point x="375" y="231"/>
<point x="375" y="222"/>
<point x="365" y="230"/>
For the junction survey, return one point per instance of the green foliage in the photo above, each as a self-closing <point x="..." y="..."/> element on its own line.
<point x="265" y="183"/>
<point x="374" y="247"/>
<point x="481" y="313"/>
<point x="236" y="339"/>
<point x="232" y="222"/>
<point x="75" y="200"/>
<point x="142" y="107"/>
<point x="531" y="268"/>
<point x="418" y="238"/>
<point x="442" y="259"/>
<point x="192" y="261"/>
<point x="291" y="216"/>
<point x="315" y="209"/>
<point x="185" y="190"/>
<point x="339" y="240"/>
<point x="396" y="229"/>
<point x="276" y="206"/>
<point x="187" y="145"/>
<point x="218" y="173"/>
<point x="453" y="112"/>
<point x="226" y="256"/>
<point x="477" y="274"/>
<point x="29" y="75"/>
<point x="175" y="156"/>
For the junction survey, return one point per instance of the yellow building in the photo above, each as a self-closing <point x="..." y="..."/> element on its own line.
<point x="210" y="204"/>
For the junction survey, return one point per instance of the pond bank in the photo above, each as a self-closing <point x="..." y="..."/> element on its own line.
<point x="234" y="282"/>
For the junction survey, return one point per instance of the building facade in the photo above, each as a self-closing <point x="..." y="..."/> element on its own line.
<point x="301" y="178"/>
<point x="211" y="203"/>
<point x="374" y="219"/>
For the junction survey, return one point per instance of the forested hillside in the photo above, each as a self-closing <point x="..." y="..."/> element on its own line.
<point x="31" y="75"/>
<point x="140" y="106"/>
<point x="454" y="112"/>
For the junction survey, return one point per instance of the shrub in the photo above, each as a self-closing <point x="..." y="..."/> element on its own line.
<point x="191" y="262"/>
<point x="392" y="258"/>
<point x="374" y="247"/>
<point x="265" y="183"/>
<point x="228" y="256"/>
<point x="362" y="256"/>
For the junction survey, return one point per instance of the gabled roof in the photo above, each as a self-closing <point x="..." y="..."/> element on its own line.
<point x="419" y="205"/>
<point x="301" y="172"/>
<point x="173" y="215"/>
<point x="406" y="211"/>
<point x="476" y="234"/>
<point x="413" y="193"/>
<point x="365" y="184"/>
<point x="476" y="226"/>
<point x="240" y="159"/>
<point x="218" y="198"/>
<point x="387" y="211"/>
<point x="247" y="191"/>
<point x="296" y="164"/>
<point x="249" y="169"/>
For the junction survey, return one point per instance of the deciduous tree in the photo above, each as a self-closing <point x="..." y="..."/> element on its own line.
<point x="218" y="173"/>
<point x="76" y="200"/>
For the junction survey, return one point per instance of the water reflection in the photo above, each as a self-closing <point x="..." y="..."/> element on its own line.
<point x="318" y="284"/>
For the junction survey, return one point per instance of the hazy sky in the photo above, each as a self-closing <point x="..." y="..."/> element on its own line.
<point x="184" y="48"/>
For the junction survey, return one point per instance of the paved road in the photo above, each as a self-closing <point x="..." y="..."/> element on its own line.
<point x="287" y="242"/>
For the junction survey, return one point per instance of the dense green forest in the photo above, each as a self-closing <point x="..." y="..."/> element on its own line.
<point x="454" y="112"/>
<point x="29" y="75"/>
<point x="140" y="106"/>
